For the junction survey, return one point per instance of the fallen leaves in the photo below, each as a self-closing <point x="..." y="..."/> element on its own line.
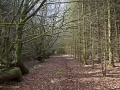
<point x="60" y="72"/>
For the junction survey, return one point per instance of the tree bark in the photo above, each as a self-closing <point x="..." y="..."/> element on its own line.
<point x="18" y="49"/>
<point x="111" y="61"/>
<point x="84" y="37"/>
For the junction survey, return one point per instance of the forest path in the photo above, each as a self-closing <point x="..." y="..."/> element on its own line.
<point x="61" y="72"/>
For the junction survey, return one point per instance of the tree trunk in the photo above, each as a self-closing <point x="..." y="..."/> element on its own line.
<point x="111" y="61"/>
<point x="18" y="49"/>
<point x="10" y="74"/>
<point x="84" y="37"/>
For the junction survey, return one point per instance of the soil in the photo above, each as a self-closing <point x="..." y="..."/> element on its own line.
<point x="61" y="72"/>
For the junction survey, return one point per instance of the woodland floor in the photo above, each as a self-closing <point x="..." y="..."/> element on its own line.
<point x="60" y="72"/>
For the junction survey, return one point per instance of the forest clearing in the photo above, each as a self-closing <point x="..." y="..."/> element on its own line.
<point x="60" y="44"/>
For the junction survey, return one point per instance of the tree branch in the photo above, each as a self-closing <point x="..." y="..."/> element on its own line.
<point x="40" y="6"/>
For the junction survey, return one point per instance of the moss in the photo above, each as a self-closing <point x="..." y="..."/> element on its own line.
<point x="10" y="74"/>
<point x="111" y="65"/>
<point x="58" y="73"/>
<point x="20" y="78"/>
<point x="104" y="74"/>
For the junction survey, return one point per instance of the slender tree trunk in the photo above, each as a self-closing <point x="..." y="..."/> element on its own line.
<point x="98" y="30"/>
<point x="84" y="38"/>
<point x="80" y="34"/>
<point x="118" y="51"/>
<point x="111" y="61"/>
<point x="104" y="50"/>
<point x="92" y="47"/>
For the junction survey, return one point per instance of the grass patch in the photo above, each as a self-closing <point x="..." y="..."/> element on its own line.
<point x="58" y="73"/>
<point x="34" y="67"/>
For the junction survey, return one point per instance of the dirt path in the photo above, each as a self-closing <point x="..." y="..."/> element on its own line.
<point x="60" y="72"/>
